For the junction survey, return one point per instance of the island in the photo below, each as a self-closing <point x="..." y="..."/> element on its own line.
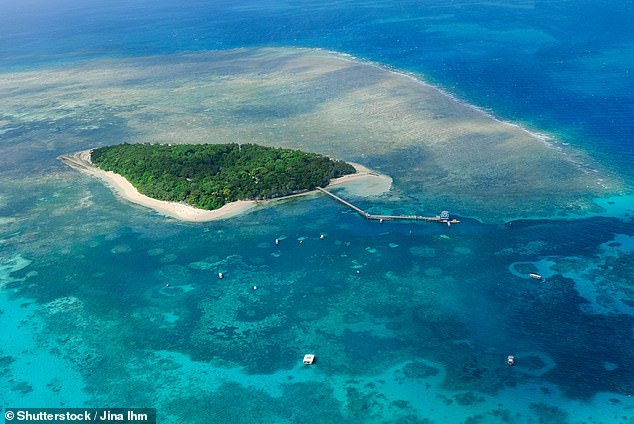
<point x="208" y="176"/>
<point x="201" y="182"/>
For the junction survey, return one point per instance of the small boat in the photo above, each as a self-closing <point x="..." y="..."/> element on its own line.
<point x="277" y="242"/>
<point x="220" y="276"/>
<point x="510" y="360"/>
<point x="309" y="359"/>
<point x="535" y="276"/>
<point x="321" y="237"/>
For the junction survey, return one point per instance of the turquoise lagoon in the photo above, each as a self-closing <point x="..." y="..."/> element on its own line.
<point x="105" y="303"/>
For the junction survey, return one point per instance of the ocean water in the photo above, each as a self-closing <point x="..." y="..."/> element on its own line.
<point x="104" y="303"/>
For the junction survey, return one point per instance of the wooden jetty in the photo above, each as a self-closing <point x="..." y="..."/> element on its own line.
<point x="443" y="218"/>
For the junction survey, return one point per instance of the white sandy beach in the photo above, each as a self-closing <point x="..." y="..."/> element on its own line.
<point x="363" y="182"/>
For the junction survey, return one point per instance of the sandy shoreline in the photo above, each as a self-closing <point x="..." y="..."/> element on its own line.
<point x="366" y="182"/>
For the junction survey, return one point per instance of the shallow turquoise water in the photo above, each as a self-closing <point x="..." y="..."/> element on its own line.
<point x="406" y="320"/>
<point x="105" y="303"/>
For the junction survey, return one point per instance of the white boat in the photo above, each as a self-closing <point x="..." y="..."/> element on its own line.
<point x="535" y="276"/>
<point x="510" y="360"/>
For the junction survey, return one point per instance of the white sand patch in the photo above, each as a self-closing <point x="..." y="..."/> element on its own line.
<point x="367" y="182"/>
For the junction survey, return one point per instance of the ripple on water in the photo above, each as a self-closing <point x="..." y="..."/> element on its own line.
<point x="171" y="290"/>
<point x="534" y="363"/>
<point x="542" y="267"/>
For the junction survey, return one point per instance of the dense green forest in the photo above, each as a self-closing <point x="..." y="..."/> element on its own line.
<point x="208" y="176"/>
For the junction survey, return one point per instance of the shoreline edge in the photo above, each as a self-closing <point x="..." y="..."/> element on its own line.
<point x="81" y="161"/>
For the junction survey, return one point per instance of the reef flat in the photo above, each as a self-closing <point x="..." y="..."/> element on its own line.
<point x="446" y="154"/>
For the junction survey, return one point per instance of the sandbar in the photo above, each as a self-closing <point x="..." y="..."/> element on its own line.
<point x="366" y="182"/>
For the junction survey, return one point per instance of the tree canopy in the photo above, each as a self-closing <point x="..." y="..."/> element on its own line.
<point x="207" y="176"/>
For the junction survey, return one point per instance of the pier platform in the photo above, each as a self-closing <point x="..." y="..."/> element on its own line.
<point x="443" y="217"/>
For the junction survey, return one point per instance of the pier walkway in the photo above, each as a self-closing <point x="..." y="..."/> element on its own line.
<point x="442" y="218"/>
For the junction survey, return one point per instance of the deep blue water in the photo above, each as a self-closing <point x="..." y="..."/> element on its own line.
<point x="565" y="68"/>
